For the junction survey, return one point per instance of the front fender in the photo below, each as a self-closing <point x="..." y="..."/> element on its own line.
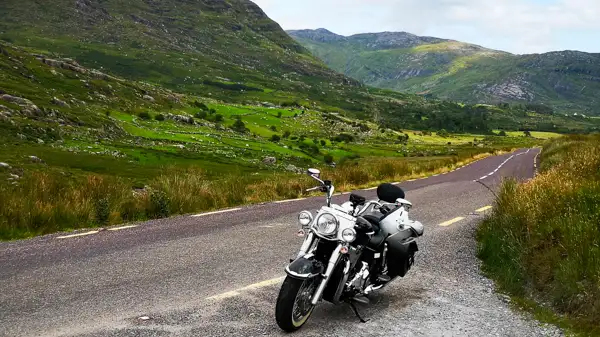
<point x="305" y="267"/>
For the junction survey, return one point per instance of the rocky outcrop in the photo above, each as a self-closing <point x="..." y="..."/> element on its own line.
<point x="269" y="161"/>
<point x="510" y="90"/>
<point x="60" y="102"/>
<point x="28" y="108"/>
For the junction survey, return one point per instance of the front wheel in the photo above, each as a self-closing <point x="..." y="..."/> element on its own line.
<point x="294" y="305"/>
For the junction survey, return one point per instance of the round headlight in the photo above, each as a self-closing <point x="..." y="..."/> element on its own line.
<point x="327" y="224"/>
<point x="305" y="218"/>
<point x="349" y="235"/>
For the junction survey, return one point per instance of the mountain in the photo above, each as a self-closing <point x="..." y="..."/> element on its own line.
<point x="228" y="50"/>
<point x="224" y="51"/>
<point x="568" y="81"/>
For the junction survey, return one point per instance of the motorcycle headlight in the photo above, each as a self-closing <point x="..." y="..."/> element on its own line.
<point x="327" y="224"/>
<point x="349" y="235"/>
<point x="305" y="218"/>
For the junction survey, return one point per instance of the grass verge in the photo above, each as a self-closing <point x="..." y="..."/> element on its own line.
<point x="47" y="201"/>
<point x="542" y="242"/>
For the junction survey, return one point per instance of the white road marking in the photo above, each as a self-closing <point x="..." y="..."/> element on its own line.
<point x="254" y="286"/>
<point x="286" y="201"/>
<point x="217" y="212"/>
<point x="451" y="222"/>
<point x="499" y="167"/>
<point x="121" y="228"/>
<point x="370" y="189"/>
<point x="77" y="235"/>
<point x="483" y="209"/>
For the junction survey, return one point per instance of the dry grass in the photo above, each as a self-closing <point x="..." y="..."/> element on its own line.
<point x="45" y="203"/>
<point x="544" y="235"/>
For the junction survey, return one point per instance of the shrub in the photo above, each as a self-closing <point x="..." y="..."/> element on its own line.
<point x="286" y="134"/>
<point x="328" y="158"/>
<point x="275" y="138"/>
<point x="200" y="105"/>
<point x="159" y="117"/>
<point x="279" y="114"/>
<point x="201" y="114"/>
<point x="273" y="128"/>
<point x="102" y="207"/>
<point x="239" y="125"/>
<point x="323" y="143"/>
<point x="159" y="205"/>
<point x="443" y="133"/>
<point x="344" y="137"/>
<point x="219" y="118"/>
<point x="144" y="115"/>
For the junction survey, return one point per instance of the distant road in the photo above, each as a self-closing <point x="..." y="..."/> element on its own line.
<point x="218" y="274"/>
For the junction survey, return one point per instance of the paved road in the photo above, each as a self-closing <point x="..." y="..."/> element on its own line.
<point x="218" y="274"/>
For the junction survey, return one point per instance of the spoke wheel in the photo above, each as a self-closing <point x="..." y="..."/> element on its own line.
<point x="294" y="305"/>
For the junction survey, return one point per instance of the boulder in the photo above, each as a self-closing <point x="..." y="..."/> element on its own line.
<point x="148" y="98"/>
<point x="36" y="159"/>
<point x="269" y="161"/>
<point x="4" y="166"/>
<point x="60" y="102"/>
<point x="15" y="99"/>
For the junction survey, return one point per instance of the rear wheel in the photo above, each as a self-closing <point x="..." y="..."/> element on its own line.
<point x="294" y="305"/>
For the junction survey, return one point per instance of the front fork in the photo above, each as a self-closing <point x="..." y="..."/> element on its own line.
<point x="309" y="244"/>
<point x="333" y="261"/>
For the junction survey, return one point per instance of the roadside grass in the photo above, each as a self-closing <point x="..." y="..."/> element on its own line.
<point x="47" y="201"/>
<point x="542" y="242"/>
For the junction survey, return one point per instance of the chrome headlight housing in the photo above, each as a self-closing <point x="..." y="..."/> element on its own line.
<point x="305" y="218"/>
<point x="326" y="224"/>
<point x="349" y="235"/>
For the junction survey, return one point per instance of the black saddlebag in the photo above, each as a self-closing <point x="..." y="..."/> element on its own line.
<point x="401" y="252"/>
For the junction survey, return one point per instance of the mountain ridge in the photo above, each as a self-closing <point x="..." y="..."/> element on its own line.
<point x="450" y="69"/>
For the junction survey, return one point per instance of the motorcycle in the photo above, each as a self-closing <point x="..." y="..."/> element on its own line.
<point x="348" y="252"/>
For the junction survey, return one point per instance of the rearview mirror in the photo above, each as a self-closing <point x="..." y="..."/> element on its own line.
<point x="314" y="173"/>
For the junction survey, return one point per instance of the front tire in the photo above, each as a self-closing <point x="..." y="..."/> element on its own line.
<point x="294" y="305"/>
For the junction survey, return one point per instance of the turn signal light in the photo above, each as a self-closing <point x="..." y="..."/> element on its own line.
<point x="301" y="233"/>
<point x="344" y="250"/>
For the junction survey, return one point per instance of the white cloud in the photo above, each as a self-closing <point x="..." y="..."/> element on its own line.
<point x="520" y="26"/>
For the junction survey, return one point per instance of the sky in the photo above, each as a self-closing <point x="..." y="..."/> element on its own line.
<point x="516" y="26"/>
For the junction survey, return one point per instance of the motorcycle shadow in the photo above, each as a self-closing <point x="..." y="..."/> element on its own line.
<point x="395" y="298"/>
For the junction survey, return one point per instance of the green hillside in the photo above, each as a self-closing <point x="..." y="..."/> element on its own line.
<point x="567" y="81"/>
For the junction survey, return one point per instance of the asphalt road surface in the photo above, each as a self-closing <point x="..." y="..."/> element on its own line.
<point x="218" y="274"/>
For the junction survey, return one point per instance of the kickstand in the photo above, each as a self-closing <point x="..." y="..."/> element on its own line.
<point x="357" y="313"/>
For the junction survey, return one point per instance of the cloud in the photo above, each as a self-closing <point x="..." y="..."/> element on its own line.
<point x="520" y="26"/>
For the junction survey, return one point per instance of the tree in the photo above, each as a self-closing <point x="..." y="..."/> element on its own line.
<point x="443" y="133"/>
<point x="273" y="128"/>
<point x="316" y="141"/>
<point x="527" y="133"/>
<point x="323" y="142"/>
<point x="239" y="125"/>
<point x="279" y="114"/>
<point x="286" y="134"/>
<point x="328" y="158"/>
<point x="275" y="138"/>
<point x="212" y="111"/>
<point x="159" y="117"/>
<point x="219" y="118"/>
<point x="502" y="133"/>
